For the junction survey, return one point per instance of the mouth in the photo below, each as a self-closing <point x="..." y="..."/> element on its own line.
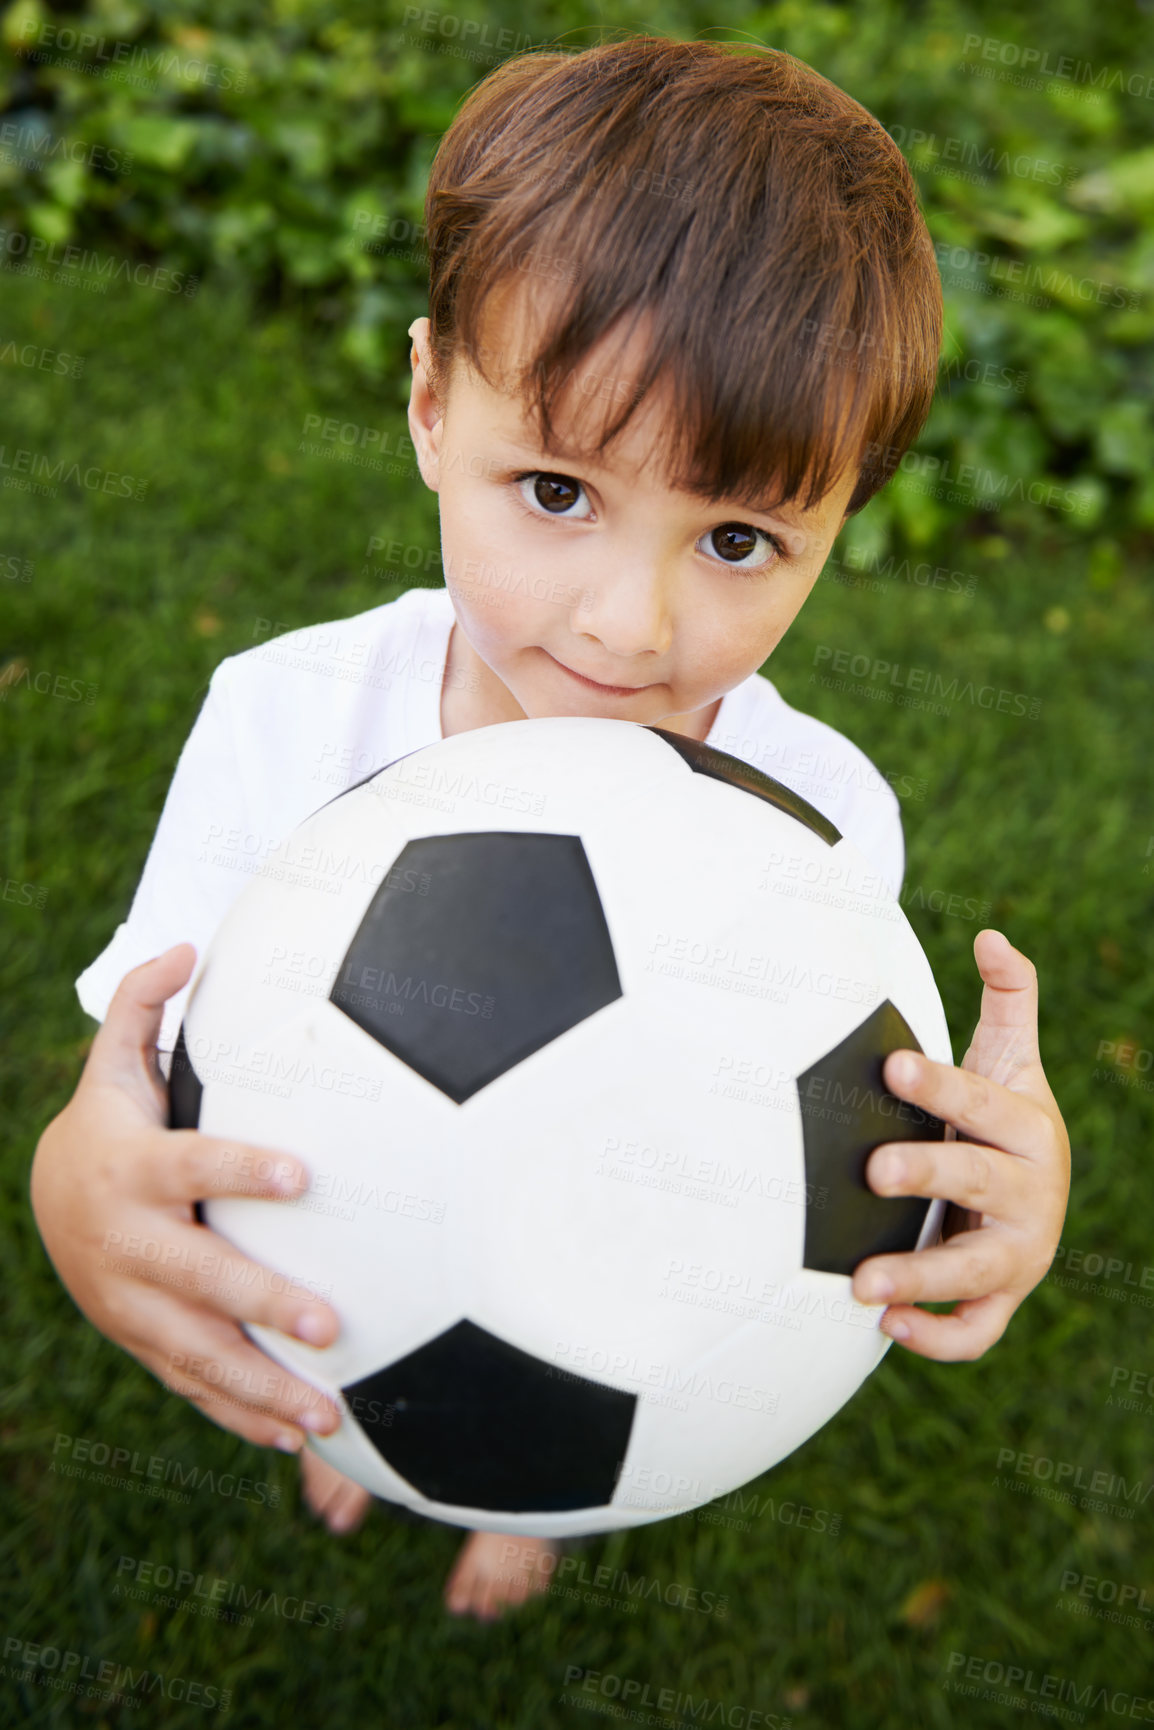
<point x="596" y="685"/>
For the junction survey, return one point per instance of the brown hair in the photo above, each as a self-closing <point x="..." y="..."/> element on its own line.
<point x="763" y="219"/>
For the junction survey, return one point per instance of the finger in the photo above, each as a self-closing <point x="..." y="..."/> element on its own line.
<point x="186" y="1166"/>
<point x="1010" y="997"/>
<point x="1006" y="1038"/>
<point x="283" y="1421"/>
<point x="981" y="1179"/>
<point x="977" y="1107"/>
<point x="255" y="1427"/>
<point x="197" y="1264"/>
<point x="134" y="1015"/>
<point x="975" y="1264"/>
<point x="199" y="1356"/>
<point x="968" y="1331"/>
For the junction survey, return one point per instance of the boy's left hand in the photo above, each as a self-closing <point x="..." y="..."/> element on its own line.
<point x="1007" y="1186"/>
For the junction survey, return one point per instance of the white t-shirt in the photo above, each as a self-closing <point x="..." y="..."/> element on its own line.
<point x="289" y="724"/>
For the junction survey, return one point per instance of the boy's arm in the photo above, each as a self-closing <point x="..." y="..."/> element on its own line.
<point x="113" y="1191"/>
<point x="1008" y="1181"/>
<point x="113" y="1188"/>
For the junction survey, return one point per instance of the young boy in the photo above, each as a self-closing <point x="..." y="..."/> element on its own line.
<point x="646" y="260"/>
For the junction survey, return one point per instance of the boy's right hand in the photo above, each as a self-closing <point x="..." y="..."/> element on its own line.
<point x="109" y="1173"/>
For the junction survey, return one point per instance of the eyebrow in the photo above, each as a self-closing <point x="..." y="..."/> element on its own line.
<point x="762" y="508"/>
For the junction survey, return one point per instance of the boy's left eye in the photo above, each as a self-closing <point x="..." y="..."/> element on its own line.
<point x="555" y="495"/>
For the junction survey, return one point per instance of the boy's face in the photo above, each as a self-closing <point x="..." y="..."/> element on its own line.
<point x="600" y="569"/>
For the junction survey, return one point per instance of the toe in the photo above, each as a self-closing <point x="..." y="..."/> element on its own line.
<point x="338" y="1501"/>
<point x="347" y="1509"/>
<point x="457" y="1587"/>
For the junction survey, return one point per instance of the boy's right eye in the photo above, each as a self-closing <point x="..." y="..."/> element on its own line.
<point x="553" y="493"/>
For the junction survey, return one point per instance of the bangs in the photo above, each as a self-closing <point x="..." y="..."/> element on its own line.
<point x="754" y="226"/>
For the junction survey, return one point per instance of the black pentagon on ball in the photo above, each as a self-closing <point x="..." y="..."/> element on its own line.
<point x="504" y="949"/>
<point x="706" y="759"/>
<point x="847" y="1111"/>
<point x="472" y="1421"/>
<point x="185" y="1092"/>
<point x="185" y="1088"/>
<point x="354" y="786"/>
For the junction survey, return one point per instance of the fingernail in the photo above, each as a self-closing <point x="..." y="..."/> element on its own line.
<point x="876" y="1288"/>
<point x="289" y="1444"/>
<point x="287" y="1180"/>
<point x="317" y="1422"/>
<point x="893" y="1168"/>
<point x="310" y="1327"/>
<point x="904" y="1068"/>
<point x="897" y="1330"/>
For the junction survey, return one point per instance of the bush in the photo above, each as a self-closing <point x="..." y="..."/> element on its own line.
<point x="293" y="146"/>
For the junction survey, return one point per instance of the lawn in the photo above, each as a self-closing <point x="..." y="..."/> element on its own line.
<point x="929" y="1545"/>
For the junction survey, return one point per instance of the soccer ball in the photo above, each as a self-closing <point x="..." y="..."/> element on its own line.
<point x="578" y="1025"/>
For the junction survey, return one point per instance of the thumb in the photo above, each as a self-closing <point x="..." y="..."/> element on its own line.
<point x="134" y="1015"/>
<point x="1005" y="1040"/>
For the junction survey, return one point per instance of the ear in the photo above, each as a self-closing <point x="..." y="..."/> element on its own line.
<point x="426" y="424"/>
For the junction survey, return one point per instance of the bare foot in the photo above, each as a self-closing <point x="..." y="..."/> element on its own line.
<point x="496" y="1569"/>
<point x="335" y="1499"/>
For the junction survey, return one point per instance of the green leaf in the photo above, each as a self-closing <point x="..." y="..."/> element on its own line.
<point x="1143" y="501"/>
<point x="67" y="181"/>
<point x="1125" y="185"/>
<point x="305" y="144"/>
<point x="21" y="23"/>
<point x="50" y="222"/>
<point x="1125" y="439"/>
<point x="158" y="140"/>
<point x="1087" y="500"/>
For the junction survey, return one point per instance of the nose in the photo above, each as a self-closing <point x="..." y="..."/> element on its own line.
<point x="628" y="613"/>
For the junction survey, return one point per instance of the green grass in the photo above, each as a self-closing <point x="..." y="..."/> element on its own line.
<point x="1046" y="819"/>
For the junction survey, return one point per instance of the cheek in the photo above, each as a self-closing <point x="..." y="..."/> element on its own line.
<point x="481" y="608"/>
<point x="727" y="643"/>
<point x="477" y="508"/>
<point x="498" y="622"/>
<point x="725" y="636"/>
<point x="480" y="540"/>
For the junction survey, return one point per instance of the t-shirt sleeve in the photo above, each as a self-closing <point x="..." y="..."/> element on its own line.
<point x="182" y="895"/>
<point x="824" y="767"/>
<point x="873" y="825"/>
